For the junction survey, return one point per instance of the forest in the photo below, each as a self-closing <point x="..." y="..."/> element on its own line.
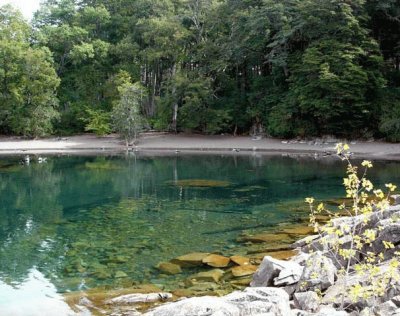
<point x="284" y="68"/>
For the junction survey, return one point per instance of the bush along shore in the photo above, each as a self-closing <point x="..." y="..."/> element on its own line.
<point x="350" y="266"/>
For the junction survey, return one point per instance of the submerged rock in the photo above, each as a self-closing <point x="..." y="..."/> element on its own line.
<point x="241" y="271"/>
<point x="169" y="268"/>
<point x="190" y="259"/>
<point x="265" y="237"/>
<point x="299" y="230"/>
<point x="243" y="281"/>
<point x="120" y="274"/>
<point x="239" y="260"/>
<point x="216" y="261"/>
<point x="213" y="275"/>
<point x="203" y="286"/>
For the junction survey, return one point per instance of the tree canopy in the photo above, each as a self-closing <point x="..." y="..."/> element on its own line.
<point x="282" y="67"/>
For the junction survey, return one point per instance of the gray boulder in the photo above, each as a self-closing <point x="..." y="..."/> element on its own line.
<point x="206" y="305"/>
<point x="319" y="273"/>
<point x="335" y="293"/>
<point x="255" y="301"/>
<point x="307" y="301"/>
<point x="140" y="298"/>
<point x="396" y="313"/>
<point x="396" y="300"/>
<point x="367" y="312"/>
<point x="301" y="258"/>
<point x="298" y="312"/>
<point x="330" y="311"/>
<point x="391" y="233"/>
<point x="276" y="272"/>
<point x="251" y="301"/>
<point x="385" y="309"/>
<point x="395" y="199"/>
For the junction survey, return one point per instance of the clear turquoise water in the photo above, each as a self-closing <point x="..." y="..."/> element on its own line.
<point x="79" y="221"/>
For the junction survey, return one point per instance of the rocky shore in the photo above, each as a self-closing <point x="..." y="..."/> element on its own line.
<point x="307" y="284"/>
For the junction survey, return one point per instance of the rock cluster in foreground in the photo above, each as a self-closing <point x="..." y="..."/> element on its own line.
<point x="306" y="285"/>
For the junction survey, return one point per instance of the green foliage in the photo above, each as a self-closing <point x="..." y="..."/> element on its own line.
<point x="390" y="119"/>
<point x="29" y="81"/>
<point x="290" y="68"/>
<point x="330" y="86"/>
<point x="97" y="121"/>
<point x="127" y="118"/>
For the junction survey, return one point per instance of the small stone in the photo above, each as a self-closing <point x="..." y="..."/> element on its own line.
<point x="191" y="259"/>
<point x="213" y="275"/>
<point x="244" y="270"/>
<point x="169" y="268"/>
<point x="216" y="261"/>
<point x="241" y="261"/>
<point x="120" y="274"/>
<point x="306" y="301"/>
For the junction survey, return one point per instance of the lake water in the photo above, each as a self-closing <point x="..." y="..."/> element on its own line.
<point x="82" y="222"/>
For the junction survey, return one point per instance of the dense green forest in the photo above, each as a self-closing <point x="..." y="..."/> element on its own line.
<point x="283" y="67"/>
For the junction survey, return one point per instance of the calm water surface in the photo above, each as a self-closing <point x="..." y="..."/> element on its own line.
<point x="82" y="222"/>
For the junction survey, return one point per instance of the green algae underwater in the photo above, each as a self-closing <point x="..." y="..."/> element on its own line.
<point x="86" y="222"/>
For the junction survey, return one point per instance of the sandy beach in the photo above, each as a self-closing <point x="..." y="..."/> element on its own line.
<point x="165" y="143"/>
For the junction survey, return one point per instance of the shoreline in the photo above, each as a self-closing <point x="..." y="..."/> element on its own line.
<point x="168" y="144"/>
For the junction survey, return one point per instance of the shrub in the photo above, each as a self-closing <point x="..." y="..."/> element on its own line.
<point x="98" y="121"/>
<point x="358" y="254"/>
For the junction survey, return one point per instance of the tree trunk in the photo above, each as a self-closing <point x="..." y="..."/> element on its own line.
<point x="175" y="104"/>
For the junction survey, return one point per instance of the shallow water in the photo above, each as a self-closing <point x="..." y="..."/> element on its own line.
<point x="82" y="222"/>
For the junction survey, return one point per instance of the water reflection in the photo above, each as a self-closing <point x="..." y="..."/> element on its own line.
<point x="34" y="296"/>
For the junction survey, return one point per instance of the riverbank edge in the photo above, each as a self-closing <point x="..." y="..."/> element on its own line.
<point x="173" y="144"/>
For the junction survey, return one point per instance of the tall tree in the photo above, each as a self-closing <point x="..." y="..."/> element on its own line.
<point x="29" y="81"/>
